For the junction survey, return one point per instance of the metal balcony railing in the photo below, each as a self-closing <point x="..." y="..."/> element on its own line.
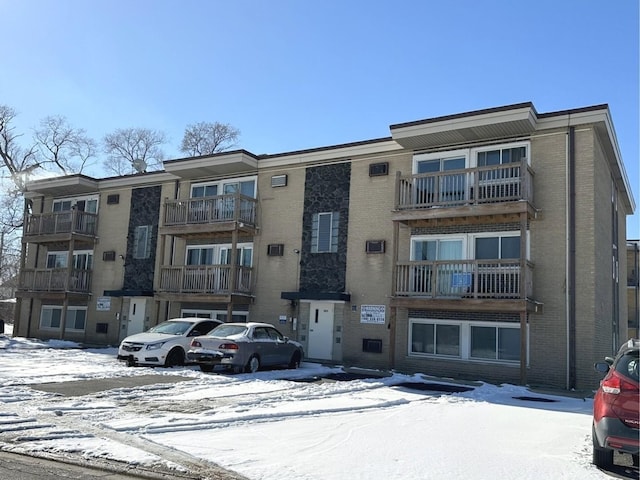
<point x="481" y="185"/>
<point x="73" y="221"/>
<point x="219" y="208"/>
<point x="463" y="279"/>
<point x="55" y="280"/>
<point x="205" y="279"/>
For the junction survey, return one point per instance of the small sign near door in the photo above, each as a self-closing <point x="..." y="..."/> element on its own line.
<point x="103" y="304"/>
<point x="372" y="314"/>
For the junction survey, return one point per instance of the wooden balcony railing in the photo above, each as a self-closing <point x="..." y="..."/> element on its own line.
<point x="481" y="185"/>
<point x="73" y="221"/>
<point x="55" y="280"/>
<point x="199" y="279"/>
<point x="219" y="208"/>
<point x="463" y="279"/>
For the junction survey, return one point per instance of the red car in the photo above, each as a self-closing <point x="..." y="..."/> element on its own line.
<point x="616" y="406"/>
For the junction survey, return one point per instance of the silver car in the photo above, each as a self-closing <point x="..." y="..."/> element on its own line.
<point x="244" y="347"/>
<point x="165" y="344"/>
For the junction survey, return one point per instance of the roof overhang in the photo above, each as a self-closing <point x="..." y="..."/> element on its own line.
<point x="225" y="163"/>
<point x="335" y="296"/>
<point x="63" y="186"/>
<point x="502" y="122"/>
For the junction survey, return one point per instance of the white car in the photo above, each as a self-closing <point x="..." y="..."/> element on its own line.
<point x="166" y="343"/>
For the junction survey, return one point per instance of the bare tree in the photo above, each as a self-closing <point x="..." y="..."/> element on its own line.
<point x="205" y="138"/>
<point x="59" y="143"/>
<point x="133" y="150"/>
<point x="19" y="162"/>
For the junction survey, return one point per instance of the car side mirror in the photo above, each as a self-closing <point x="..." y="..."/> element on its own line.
<point x="194" y="333"/>
<point x="602" y="367"/>
<point x="286" y="339"/>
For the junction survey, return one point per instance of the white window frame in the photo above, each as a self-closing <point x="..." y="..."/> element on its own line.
<point x="218" y="248"/>
<point x="68" y="325"/>
<point x="501" y="146"/>
<point x="65" y="255"/>
<point x="137" y="241"/>
<point x="465" y="340"/>
<point x="444" y="155"/>
<point x="220" y="184"/>
<point x="499" y="235"/>
<point x="334" y="228"/>
<point x="74" y="201"/>
<point x="201" y="313"/>
<point x="425" y="238"/>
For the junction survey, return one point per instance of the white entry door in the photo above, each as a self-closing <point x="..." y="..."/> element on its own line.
<point x="320" y="331"/>
<point x="136" y="315"/>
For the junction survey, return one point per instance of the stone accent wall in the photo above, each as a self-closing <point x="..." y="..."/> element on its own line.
<point x="326" y="190"/>
<point x="145" y="210"/>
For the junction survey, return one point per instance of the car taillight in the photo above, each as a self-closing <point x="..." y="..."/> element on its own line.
<point x="195" y="343"/>
<point x="228" y="346"/>
<point x="616" y="385"/>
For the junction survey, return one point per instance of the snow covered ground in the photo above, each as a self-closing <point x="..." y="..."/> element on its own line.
<point x="271" y="425"/>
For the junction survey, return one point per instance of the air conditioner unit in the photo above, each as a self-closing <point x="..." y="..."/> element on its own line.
<point x="275" y="249"/>
<point x="375" y="246"/>
<point x="378" y="169"/>
<point x="109" y="256"/>
<point x="279" y="181"/>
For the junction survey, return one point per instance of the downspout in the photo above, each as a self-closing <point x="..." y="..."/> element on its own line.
<point x="571" y="260"/>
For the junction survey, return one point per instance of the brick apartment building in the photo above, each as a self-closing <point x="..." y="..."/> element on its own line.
<point x="483" y="245"/>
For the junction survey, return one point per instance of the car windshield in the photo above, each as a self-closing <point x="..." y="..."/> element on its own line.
<point x="171" y="328"/>
<point x="227" y="330"/>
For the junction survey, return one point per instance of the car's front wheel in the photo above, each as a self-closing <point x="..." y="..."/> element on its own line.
<point x="295" y="360"/>
<point x="175" y="358"/>
<point x="602" y="457"/>
<point x="253" y="364"/>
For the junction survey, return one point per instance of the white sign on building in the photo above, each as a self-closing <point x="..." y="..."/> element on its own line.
<point x="372" y="314"/>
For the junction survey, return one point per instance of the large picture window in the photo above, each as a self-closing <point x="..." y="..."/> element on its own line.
<point x="481" y="341"/>
<point x="51" y="318"/>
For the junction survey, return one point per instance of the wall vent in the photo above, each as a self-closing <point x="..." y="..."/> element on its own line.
<point x="275" y="249"/>
<point x="279" y="181"/>
<point x="371" y="345"/>
<point x="378" y="169"/>
<point x="113" y="199"/>
<point x="109" y="256"/>
<point x="375" y="246"/>
<point x="102" y="327"/>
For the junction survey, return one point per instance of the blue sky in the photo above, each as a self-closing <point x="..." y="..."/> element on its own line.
<point x="301" y="74"/>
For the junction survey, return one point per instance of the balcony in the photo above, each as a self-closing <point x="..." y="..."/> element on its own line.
<point x="481" y="191"/>
<point x="220" y="213"/>
<point x="55" y="280"/>
<point x="190" y="281"/>
<point x="437" y="283"/>
<point x="60" y="226"/>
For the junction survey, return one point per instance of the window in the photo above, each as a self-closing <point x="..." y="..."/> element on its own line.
<point x="82" y="260"/>
<point x="219" y="254"/>
<point x="83" y="204"/>
<point x="324" y="232"/>
<point x="435" y="339"/>
<point x="142" y="242"/>
<point x="200" y="255"/>
<point x="501" y="156"/>
<point x="481" y="341"/>
<point x="245" y="187"/>
<point x="51" y="318"/>
<point x="240" y="317"/>
<point x="499" y="247"/>
<point x="495" y="343"/>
